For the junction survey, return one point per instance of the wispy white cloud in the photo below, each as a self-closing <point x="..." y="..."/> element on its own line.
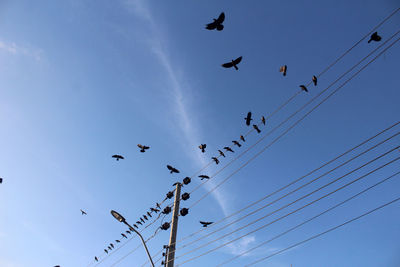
<point x="14" y="49"/>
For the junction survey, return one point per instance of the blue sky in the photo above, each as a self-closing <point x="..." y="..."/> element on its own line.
<point x="83" y="80"/>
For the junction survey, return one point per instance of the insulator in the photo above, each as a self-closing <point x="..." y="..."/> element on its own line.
<point x="186" y="180"/>
<point x="167" y="210"/>
<point x="185" y="196"/>
<point x="184" y="211"/>
<point x="165" y="226"/>
<point x="170" y="194"/>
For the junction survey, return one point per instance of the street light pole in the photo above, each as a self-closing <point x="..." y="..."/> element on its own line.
<point x="120" y="218"/>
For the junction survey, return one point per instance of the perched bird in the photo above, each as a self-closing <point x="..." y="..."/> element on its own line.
<point x="149" y="214"/>
<point x="304" y="88"/>
<point x="256" y="128"/>
<point x="83" y="212"/>
<point x="154" y="210"/>
<point x="263" y="120"/>
<point x="143" y="148"/>
<point x="248" y="119"/>
<point x="145" y="217"/>
<point x="1" y="180"/>
<point x="141" y="219"/>
<point x="283" y="69"/>
<point x="204" y="177"/>
<point x="128" y="232"/>
<point x="242" y="138"/>
<point x="315" y="80"/>
<point x="375" y="37"/>
<point x="138" y="222"/>
<point x="135" y="226"/>
<point x="233" y="63"/>
<point x="96" y="259"/>
<point x="117" y="241"/>
<point x="203" y="147"/>
<point x="221" y="153"/>
<point x="111" y="244"/>
<point x="217" y="23"/>
<point x="109" y="248"/>
<point x="158" y="205"/>
<point x="117" y="157"/>
<point x="236" y="143"/>
<point x="205" y="224"/>
<point x="172" y="169"/>
<point x="123" y="235"/>
<point x="215" y="159"/>
<point x="227" y="148"/>
<point x="106" y="251"/>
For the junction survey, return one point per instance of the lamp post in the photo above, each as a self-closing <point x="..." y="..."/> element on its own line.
<point x="120" y="218"/>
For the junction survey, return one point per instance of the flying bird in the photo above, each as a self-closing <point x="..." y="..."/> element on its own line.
<point x="123" y="235"/>
<point x="117" y="157"/>
<point x="117" y="241"/>
<point x="283" y="69"/>
<point x="203" y="147"/>
<point x="233" y="63"/>
<point x="95" y="258"/>
<point x="304" y="88"/>
<point x="263" y="120"/>
<point x="227" y="148"/>
<point x="221" y="153"/>
<point x="256" y="128"/>
<point x="143" y="148"/>
<point x="83" y="212"/>
<point x="314" y="80"/>
<point x="236" y="143"/>
<point x="217" y="23"/>
<point x="242" y="138"/>
<point x="248" y="119"/>
<point x="106" y="251"/>
<point x="205" y="224"/>
<point x="204" y="177"/>
<point x="375" y="37"/>
<point x="215" y="159"/>
<point x="172" y="169"/>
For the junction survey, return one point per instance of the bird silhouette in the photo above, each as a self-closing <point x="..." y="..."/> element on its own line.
<point x="145" y="217"/>
<point x="111" y="244"/>
<point x="117" y="157"/>
<point x="158" y="205"/>
<point x="233" y="63"/>
<point x="263" y="120"/>
<point x="143" y="148"/>
<point x="109" y="248"/>
<point x="375" y="37"/>
<point x="203" y="147"/>
<point x="1" y="180"/>
<point x="149" y="214"/>
<point x="106" y="251"/>
<point x="304" y="88"/>
<point x="141" y="219"/>
<point x="117" y="241"/>
<point x="248" y="119"/>
<point x="123" y="235"/>
<point x="283" y="69"/>
<point x="83" y="212"/>
<point x="242" y="138"/>
<point x="205" y="224"/>
<point x="204" y="177"/>
<point x="154" y="210"/>
<point x="128" y="232"/>
<point x="227" y="148"/>
<point x="315" y="80"/>
<point x="236" y="143"/>
<point x="172" y="169"/>
<point x="138" y="222"/>
<point x="135" y="226"/>
<point x="216" y="160"/>
<point x="96" y="259"/>
<point x="217" y="23"/>
<point x="256" y="128"/>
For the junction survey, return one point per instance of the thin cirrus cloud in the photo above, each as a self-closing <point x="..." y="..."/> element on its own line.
<point x="14" y="49"/>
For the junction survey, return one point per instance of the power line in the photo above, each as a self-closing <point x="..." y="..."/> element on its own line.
<point x="284" y="216"/>
<point x="311" y="219"/>
<point x="325" y="232"/>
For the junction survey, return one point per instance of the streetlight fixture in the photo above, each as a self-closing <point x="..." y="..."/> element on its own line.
<point x="121" y="218"/>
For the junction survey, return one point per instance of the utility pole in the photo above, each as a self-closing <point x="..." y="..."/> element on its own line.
<point x="174" y="228"/>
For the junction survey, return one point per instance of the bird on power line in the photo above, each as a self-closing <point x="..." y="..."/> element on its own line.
<point x="233" y="63"/>
<point x="216" y="160"/>
<point x="143" y="148"/>
<point x="375" y="37"/>
<point x="135" y="226"/>
<point x="304" y="88"/>
<point x="315" y="80"/>
<point x="256" y="128"/>
<point x="283" y="69"/>
<point x="205" y="224"/>
<point x="1" y="180"/>
<point x="221" y="153"/>
<point x="202" y="177"/>
<point x="203" y="147"/>
<point x="111" y="244"/>
<point x="149" y="214"/>
<point x="96" y="259"/>
<point x="128" y="232"/>
<point x="109" y="248"/>
<point x="138" y="222"/>
<point x="117" y="241"/>
<point x="141" y="219"/>
<point x="242" y="138"/>
<point x="172" y="169"/>
<point x="248" y="118"/>
<point x="123" y="235"/>
<point x="236" y="143"/>
<point x="83" y="212"/>
<point x="117" y="157"/>
<point x="154" y="210"/>
<point x="145" y="217"/>
<point x="227" y="148"/>
<point x="106" y="251"/>
<point x="217" y="23"/>
<point x="158" y="205"/>
<point x="263" y="120"/>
